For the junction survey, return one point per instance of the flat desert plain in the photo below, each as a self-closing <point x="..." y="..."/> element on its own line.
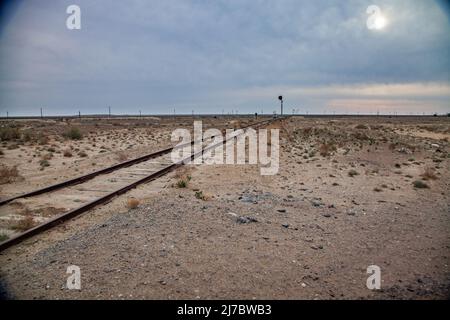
<point x="351" y="192"/>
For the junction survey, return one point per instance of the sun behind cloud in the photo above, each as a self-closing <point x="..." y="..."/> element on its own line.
<point x="380" y="22"/>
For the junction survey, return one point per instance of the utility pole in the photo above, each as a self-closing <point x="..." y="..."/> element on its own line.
<point x="109" y="111"/>
<point x="79" y="114"/>
<point x="281" y="101"/>
<point x="7" y="114"/>
<point x="41" y="114"/>
<point x="140" y="114"/>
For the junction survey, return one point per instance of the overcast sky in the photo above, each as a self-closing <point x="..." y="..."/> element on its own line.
<point x="222" y="55"/>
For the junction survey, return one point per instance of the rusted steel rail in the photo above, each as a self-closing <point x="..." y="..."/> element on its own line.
<point x="77" y="211"/>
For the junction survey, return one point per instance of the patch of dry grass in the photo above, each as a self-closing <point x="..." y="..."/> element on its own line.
<point x="25" y="224"/>
<point x="122" y="156"/>
<point x="9" y="133"/>
<point x="326" y="149"/>
<point x="132" y="203"/>
<point x="352" y="173"/>
<point x="202" y="196"/>
<point x="73" y="134"/>
<point x="429" y="174"/>
<point x="419" y="184"/>
<point x="8" y="174"/>
<point x="67" y="153"/>
<point x="3" y="237"/>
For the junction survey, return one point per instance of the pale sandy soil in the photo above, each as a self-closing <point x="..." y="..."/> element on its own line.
<point x="105" y="142"/>
<point x="311" y="231"/>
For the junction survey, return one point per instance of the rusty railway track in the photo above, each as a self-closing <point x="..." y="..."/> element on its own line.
<point x="103" y="199"/>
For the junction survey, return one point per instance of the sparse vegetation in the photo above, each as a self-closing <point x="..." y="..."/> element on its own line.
<point x="73" y="134"/>
<point x="3" y="237"/>
<point x="42" y="139"/>
<point x="429" y="174"/>
<point x="326" y="149"/>
<point x="184" y="181"/>
<point x="132" y="203"/>
<point x="352" y="173"/>
<point x="419" y="184"/>
<point x="200" y="195"/>
<point x="8" y="174"/>
<point x="9" y="133"/>
<point x="67" y="153"/>
<point x="25" y="224"/>
<point x="122" y="156"/>
<point x="44" y="163"/>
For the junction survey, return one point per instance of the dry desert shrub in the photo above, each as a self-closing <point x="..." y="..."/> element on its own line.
<point x="9" y="133"/>
<point x="47" y="156"/>
<point x="201" y="196"/>
<point x="25" y="224"/>
<point x="8" y="174"/>
<point x="67" y="153"/>
<point x="429" y="174"/>
<point x="122" y="156"/>
<point x="3" y="237"/>
<point x="353" y="173"/>
<point x="419" y="184"/>
<point x="184" y="181"/>
<point x="132" y="203"/>
<point x="326" y="149"/>
<point x="43" y="139"/>
<point x="73" y="134"/>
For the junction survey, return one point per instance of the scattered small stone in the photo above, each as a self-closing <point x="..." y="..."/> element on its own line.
<point x="317" y="203"/>
<point x="327" y="215"/>
<point x="245" y="220"/>
<point x="234" y="215"/>
<point x="281" y="210"/>
<point x="285" y="225"/>
<point x="351" y="212"/>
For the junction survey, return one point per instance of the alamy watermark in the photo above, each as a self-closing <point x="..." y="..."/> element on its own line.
<point x="74" y="279"/>
<point x="376" y="19"/>
<point x="229" y="147"/>
<point x="73" y="22"/>
<point x="374" y="280"/>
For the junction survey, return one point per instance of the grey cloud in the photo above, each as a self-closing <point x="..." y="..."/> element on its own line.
<point x="158" y="55"/>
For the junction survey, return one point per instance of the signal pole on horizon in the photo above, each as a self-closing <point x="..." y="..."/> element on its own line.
<point x="281" y="101"/>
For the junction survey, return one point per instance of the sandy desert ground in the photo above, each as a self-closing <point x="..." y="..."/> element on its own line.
<point x="351" y="192"/>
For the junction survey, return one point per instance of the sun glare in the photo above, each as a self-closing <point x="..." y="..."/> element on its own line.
<point x="380" y="22"/>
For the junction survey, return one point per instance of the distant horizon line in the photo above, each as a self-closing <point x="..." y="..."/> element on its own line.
<point x="103" y="116"/>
